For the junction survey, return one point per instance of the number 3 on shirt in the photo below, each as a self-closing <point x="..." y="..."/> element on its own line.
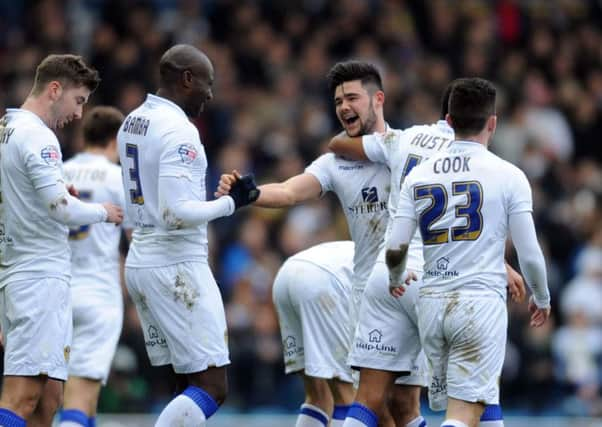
<point x="471" y="210"/>
<point x="136" y="196"/>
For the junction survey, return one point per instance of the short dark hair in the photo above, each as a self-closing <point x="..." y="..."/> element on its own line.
<point x="351" y="70"/>
<point x="471" y="103"/>
<point x="100" y="125"/>
<point x="67" y="69"/>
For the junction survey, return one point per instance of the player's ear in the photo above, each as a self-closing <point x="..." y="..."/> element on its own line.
<point x="187" y="78"/>
<point x="449" y="120"/>
<point x="380" y="98"/>
<point x="491" y="123"/>
<point x="55" y="90"/>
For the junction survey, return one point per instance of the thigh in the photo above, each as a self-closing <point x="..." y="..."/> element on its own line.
<point x="187" y="305"/>
<point x="386" y="336"/>
<point x="476" y="331"/>
<point x="96" y="331"/>
<point x="38" y="327"/>
<point x="288" y="318"/>
<point x="324" y="304"/>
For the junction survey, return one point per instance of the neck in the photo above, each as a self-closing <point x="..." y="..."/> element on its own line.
<point x="39" y="108"/>
<point x="168" y="94"/>
<point x="90" y="149"/>
<point x="381" y="126"/>
<point x="481" y="138"/>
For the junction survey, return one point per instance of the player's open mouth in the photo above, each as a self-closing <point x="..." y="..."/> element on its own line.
<point x="351" y="120"/>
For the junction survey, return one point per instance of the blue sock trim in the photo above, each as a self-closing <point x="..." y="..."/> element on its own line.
<point x="75" y="416"/>
<point x="363" y="414"/>
<point x="92" y="422"/>
<point x="10" y="419"/>
<point x="340" y="412"/>
<point x="203" y="400"/>
<point x="423" y="423"/>
<point x="492" y="413"/>
<point x="314" y="414"/>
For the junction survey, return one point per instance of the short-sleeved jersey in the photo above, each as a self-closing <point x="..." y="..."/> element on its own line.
<point x="461" y="201"/>
<point x="95" y="248"/>
<point x="32" y="244"/>
<point x="158" y="140"/>
<point x="401" y="151"/>
<point x="363" y="191"/>
<point x="334" y="257"/>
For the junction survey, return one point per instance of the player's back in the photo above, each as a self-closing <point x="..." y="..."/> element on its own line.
<point x="95" y="248"/>
<point x="155" y="140"/>
<point x="333" y="257"/>
<point x="33" y="244"/>
<point x="462" y="200"/>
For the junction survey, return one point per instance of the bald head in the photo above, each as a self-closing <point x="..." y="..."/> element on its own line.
<point x="180" y="58"/>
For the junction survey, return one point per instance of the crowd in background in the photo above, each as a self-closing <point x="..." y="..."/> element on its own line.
<point x="272" y="114"/>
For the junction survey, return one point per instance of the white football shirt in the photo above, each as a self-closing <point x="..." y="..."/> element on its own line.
<point x="401" y="151"/>
<point x="158" y="140"/>
<point x="363" y="190"/>
<point x="461" y="201"/>
<point x="333" y="257"/>
<point x="95" y="248"/>
<point x="32" y="243"/>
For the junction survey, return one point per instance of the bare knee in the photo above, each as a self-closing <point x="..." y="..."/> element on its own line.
<point x="22" y="395"/>
<point x="213" y="381"/>
<point x="404" y="403"/>
<point x="317" y="393"/>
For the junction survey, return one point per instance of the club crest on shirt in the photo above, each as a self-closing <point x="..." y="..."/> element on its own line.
<point x="370" y="194"/>
<point x="50" y="155"/>
<point x="187" y="153"/>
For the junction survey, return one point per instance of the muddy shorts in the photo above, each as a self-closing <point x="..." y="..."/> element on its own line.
<point x="182" y="315"/>
<point x="464" y="339"/>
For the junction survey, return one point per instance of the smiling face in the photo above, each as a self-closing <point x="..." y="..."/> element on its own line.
<point x="356" y="108"/>
<point x="68" y="104"/>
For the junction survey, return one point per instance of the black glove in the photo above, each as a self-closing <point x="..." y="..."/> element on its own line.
<point x="244" y="191"/>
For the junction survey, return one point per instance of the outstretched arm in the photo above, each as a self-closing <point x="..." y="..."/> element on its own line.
<point x="295" y="190"/>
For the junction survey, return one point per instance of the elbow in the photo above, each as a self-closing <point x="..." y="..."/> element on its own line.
<point x="57" y="209"/>
<point x="334" y="145"/>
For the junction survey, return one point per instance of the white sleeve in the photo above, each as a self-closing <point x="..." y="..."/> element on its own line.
<point x="177" y="207"/>
<point x="406" y="205"/>
<point x="68" y="210"/>
<point x="530" y="256"/>
<point x="519" y="193"/>
<point x="374" y="147"/>
<point x="43" y="163"/>
<point x="179" y="210"/>
<point x="321" y="169"/>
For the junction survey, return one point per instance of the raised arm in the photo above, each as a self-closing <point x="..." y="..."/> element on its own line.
<point x="347" y="146"/>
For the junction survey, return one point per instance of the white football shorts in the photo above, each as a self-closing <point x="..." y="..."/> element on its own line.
<point x="386" y="336"/>
<point x="182" y="316"/>
<point x="36" y="324"/>
<point x="313" y="310"/>
<point x="464" y="339"/>
<point x="96" y="329"/>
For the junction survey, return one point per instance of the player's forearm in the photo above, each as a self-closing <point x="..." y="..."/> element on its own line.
<point x="349" y="147"/>
<point x="178" y="210"/>
<point x="66" y="209"/>
<point x="276" y="196"/>
<point x="191" y="213"/>
<point x="397" y="245"/>
<point x="530" y="257"/>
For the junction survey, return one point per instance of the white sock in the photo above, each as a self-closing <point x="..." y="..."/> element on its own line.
<point x="69" y="424"/>
<point x="419" y="421"/>
<point x="181" y="411"/>
<point x="353" y="422"/>
<point x="493" y="423"/>
<point x="453" y="423"/>
<point x="336" y="423"/>
<point x="311" y="416"/>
